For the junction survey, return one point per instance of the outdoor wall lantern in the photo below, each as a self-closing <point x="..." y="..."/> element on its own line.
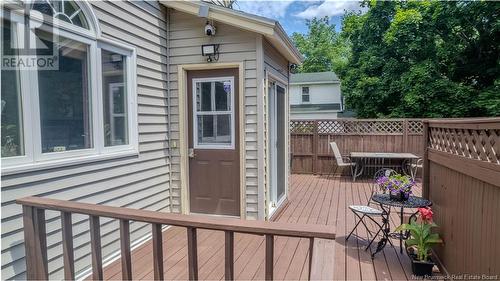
<point x="211" y="51"/>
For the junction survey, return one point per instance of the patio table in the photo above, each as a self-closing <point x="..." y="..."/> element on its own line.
<point x="360" y="159"/>
<point x="385" y="201"/>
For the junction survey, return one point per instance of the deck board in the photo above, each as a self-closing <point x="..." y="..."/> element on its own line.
<point x="312" y="200"/>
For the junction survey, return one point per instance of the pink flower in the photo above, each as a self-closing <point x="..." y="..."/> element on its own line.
<point x="426" y="214"/>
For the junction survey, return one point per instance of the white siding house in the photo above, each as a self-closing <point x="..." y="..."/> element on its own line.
<point x="114" y="125"/>
<point x="315" y="96"/>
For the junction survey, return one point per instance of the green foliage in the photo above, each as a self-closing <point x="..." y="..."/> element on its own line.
<point x="323" y="48"/>
<point x="423" y="59"/>
<point x="421" y="237"/>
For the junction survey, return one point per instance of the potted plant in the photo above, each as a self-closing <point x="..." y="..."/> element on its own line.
<point x="399" y="186"/>
<point x="418" y="246"/>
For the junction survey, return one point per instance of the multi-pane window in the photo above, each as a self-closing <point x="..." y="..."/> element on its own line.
<point x="305" y="94"/>
<point x="214" y="112"/>
<point x="84" y="106"/>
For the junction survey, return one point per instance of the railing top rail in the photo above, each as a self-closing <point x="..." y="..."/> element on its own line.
<point x="203" y="222"/>
<point x="478" y="120"/>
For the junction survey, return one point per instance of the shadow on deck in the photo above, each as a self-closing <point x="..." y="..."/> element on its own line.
<point x="312" y="200"/>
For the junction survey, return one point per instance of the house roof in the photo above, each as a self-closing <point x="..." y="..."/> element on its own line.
<point x="269" y="28"/>
<point x="315" y="107"/>
<point x="314" y="78"/>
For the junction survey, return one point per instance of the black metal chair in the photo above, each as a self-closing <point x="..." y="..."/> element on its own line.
<point x="363" y="212"/>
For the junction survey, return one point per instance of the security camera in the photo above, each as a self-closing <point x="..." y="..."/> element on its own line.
<point x="293" y="67"/>
<point x="209" y="29"/>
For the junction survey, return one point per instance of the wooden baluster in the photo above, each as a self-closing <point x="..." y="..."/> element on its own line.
<point x="157" y="251"/>
<point x="229" y="255"/>
<point x="311" y="247"/>
<point x="125" y="250"/>
<point x="67" y="241"/>
<point x="192" y="253"/>
<point x="269" y="256"/>
<point x="35" y="237"/>
<point x="95" y="245"/>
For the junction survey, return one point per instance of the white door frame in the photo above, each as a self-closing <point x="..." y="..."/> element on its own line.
<point x="272" y="165"/>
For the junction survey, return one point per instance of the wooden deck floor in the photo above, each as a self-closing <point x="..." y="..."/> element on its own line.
<point x="312" y="200"/>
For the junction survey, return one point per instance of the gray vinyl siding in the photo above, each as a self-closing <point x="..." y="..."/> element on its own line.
<point x="186" y="38"/>
<point x="140" y="182"/>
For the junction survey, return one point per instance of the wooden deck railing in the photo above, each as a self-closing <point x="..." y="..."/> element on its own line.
<point x="36" y="240"/>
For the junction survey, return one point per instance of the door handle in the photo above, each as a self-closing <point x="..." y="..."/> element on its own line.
<point x="191" y="153"/>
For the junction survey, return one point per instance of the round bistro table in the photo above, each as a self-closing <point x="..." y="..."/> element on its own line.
<point x="386" y="203"/>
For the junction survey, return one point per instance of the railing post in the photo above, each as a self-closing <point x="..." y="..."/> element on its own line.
<point x="192" y="253"/>
<point x="315" y="148"/>
<point x="35" y="239"/>
<point x="425" y="170"/>
<point x="229" y="255"/>
<point x="67" y="241"/>
<point x="405" y="135"/>
<point x="95" y="246"/>
<point x="311" y="247"/>
<point x="269" y="256"/>
<point x="157" y="251"/>
<point x="125" y="250"/>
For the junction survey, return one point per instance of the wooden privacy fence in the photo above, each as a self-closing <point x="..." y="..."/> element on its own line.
<point x="309" y="140"/>
<point x="462" y="179"/>
<point x="36" y="238"/>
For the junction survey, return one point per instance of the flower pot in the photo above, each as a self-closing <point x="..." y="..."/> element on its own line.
<point x="422" y="268"/>
<point x="398" y="196"/>
<point x="419" y="268"/>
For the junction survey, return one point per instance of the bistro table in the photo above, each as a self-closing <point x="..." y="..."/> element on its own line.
<point x="360" y="158"/>
<point x="385" y="201"/>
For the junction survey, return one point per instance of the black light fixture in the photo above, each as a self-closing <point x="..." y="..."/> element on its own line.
<point x="211" y="51"/>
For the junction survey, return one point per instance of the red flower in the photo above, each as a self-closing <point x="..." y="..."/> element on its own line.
<point x="426" y="213"/>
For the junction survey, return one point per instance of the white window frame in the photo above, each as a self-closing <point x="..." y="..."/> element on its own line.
<point x="195" y="113"/>
<point x="33" y="158"/>
<point x="302" y="94"/>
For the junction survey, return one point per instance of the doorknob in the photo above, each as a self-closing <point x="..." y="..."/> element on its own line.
<point x="191" y="153"/>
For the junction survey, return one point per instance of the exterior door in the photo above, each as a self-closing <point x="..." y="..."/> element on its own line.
<point x="214" y="164"/>
<point x="277" y="146"/>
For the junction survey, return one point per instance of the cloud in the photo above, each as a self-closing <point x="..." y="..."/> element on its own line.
<point x="330" y="8"/>
<point x="269" y="9"/>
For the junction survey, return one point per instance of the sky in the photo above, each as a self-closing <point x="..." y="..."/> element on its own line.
<point x="292" y="14"/>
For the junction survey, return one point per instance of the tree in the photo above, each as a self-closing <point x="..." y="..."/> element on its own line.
<point x="323" y="48"/>
<point x="423" y="59"/>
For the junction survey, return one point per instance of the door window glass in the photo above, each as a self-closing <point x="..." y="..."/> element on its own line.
<point x="214" y="115"/>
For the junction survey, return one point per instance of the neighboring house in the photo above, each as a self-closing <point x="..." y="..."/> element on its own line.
<point x="315" y="96"/>
<point x="136" y="116"/>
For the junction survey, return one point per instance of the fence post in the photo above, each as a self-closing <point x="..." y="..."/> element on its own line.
<point x="315" y="148"/>
<point x="405" y="135"/>
<point x="425" y="170"/>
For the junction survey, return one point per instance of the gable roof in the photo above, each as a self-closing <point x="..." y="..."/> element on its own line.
<point x="314" y="78"/>
<point x="270" y="29"/>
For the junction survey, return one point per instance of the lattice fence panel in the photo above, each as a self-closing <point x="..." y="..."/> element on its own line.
<point x="415" y="127"/>
<point x="481" y="144"/>
<point x="302" y="127"/>
<point x="357" y="127"/>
